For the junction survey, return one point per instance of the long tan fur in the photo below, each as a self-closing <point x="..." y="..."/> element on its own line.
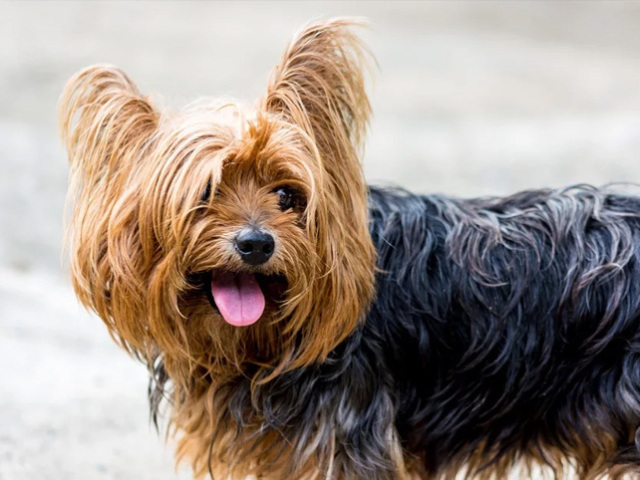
<point x="140" y="230"/>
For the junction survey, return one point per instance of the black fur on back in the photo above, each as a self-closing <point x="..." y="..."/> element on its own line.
<point x="510" y="324"/>
<point x="503" y="329"/>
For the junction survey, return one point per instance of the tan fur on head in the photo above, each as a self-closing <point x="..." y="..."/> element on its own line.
<point x="141" y="231"/>
<point x="319" y="86"/>
<point x="107" y="127"/>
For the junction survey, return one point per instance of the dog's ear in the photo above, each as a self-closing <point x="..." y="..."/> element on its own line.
<point x="104" y="120"/>
<point x="319" y="88"/>
<point x="319" y="85"/>
<point x="107" y="125"/>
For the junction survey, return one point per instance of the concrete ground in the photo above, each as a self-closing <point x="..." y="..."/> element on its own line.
<point x="471" y="98"/>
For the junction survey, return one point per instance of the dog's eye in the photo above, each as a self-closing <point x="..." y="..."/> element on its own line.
<point x="205" y="196"/>
<point x="287" y="198"/>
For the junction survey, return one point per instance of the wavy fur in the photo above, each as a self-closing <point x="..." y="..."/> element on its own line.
<point x="519" y="324"/>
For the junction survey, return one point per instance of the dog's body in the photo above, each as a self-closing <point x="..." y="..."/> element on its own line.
<point x="519" y="332"/>
<point x="355" y="333"/>
<point x="519" y="321"/>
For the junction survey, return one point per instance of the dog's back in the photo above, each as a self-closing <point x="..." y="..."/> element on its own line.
<point x="511" y="326"/>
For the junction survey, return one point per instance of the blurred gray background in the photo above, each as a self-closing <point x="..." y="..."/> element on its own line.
<point x="471" y="98"/>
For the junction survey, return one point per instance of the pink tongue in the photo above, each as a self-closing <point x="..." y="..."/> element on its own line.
<point x="238" y="297"/>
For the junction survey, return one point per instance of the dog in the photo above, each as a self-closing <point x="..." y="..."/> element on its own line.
<point x="301" y="324"/>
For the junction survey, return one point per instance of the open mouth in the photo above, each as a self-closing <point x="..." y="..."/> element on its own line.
<point x="241" y="298"/>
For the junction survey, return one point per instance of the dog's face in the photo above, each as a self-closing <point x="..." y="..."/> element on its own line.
<point x="254" y="237"/>
<point x="225" y="236"/>
<point x="251" y="236"/>
<point x="245" y="215"/>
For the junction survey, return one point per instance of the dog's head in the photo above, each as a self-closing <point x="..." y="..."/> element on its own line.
<point x="225" y="235"/>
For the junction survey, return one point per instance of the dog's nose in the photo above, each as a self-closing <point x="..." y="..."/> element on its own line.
<point x="254" y="246"/>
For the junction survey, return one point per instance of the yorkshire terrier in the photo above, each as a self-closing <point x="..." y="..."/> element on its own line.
<point x="303" y="325"/>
